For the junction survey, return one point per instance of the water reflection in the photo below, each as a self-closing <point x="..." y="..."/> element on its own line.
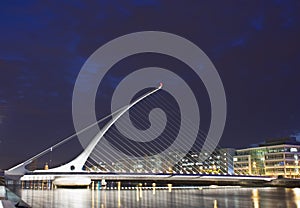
<point x="137" y="194"/>
<point x="162" y="197"/>
<point x="296" y="192"/>
<point x="255" y="198"/>
<point x="170" y="187"/>
<point x="153" y="188"/>
<point x="215" y="204"/>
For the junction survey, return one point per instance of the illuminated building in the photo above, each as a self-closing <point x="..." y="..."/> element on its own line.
<point x="220" y="161"/>
<point x="278" y="157"/>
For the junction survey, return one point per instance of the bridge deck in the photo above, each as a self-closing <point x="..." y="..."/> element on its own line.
<point x="144" y="176"/>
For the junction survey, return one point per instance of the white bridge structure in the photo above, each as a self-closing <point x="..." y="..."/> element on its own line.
<point x="72" y="173"/>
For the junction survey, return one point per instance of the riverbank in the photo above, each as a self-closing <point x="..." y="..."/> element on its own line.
<point x="284" y="182"/>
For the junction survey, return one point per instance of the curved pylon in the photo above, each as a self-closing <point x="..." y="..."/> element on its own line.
<point x="77" y="164"/>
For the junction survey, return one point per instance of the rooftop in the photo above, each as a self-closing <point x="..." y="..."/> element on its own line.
<point x="278" y="141"/>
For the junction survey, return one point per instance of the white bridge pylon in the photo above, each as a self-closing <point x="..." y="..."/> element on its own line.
<point x="77" y="164"/>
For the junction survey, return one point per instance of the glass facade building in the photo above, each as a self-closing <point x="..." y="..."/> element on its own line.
<point x="219" y="162"/>
<point x="273" y="158"/>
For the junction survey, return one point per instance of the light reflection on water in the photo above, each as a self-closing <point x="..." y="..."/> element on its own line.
<point x="255" y="198"/>
<point x="155" y="197"/>
<point x="297" y="196"/>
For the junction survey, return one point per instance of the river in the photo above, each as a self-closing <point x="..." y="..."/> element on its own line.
<point x="210" y="197"/>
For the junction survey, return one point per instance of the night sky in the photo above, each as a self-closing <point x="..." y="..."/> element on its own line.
<point x="254" y="45"/>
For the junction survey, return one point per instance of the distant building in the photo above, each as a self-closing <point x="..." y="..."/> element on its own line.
<point x="155" y="164"/>
<point x="220" y="161"/>
<point x="144" y="164"/>
<point x="276" y="157"/>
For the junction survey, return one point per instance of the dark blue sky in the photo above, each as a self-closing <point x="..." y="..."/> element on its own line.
<point x="253" y="44"/>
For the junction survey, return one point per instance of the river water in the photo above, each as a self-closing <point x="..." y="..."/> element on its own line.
<point x="203" y="197"/>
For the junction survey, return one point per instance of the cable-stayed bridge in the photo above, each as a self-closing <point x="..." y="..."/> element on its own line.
<point x="142" y="160"/>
